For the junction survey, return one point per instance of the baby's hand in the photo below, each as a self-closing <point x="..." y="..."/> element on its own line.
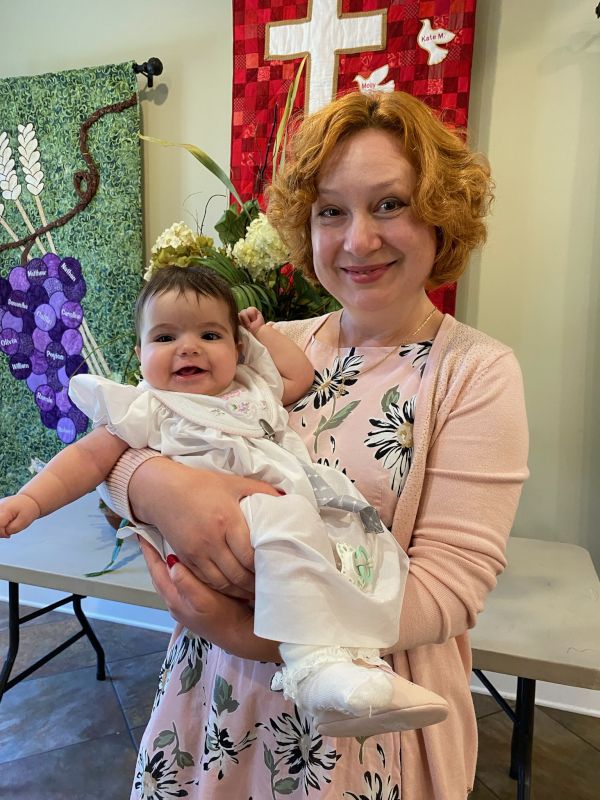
<point x="251" y="319"/>
<point x="16" y="513"/>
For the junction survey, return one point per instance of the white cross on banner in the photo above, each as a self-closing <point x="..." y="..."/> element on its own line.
<point x="322" y="36"/>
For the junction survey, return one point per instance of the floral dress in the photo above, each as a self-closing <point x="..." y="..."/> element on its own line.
<point x="218" y="731"/>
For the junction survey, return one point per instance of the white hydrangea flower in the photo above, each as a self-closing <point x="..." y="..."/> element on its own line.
<point x="178" y="235"/>
<point x="261" y="250"/>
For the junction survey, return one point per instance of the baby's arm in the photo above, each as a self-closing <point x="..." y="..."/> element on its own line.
<point x="72" y="473"/>
<point x="294" y="367"/>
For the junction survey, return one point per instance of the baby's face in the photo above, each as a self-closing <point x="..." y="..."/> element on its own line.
<point x="187" y="344"/>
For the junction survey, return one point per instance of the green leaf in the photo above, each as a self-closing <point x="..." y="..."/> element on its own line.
<point x="221" y="266"/>
<point x="190" y="677"/>
<point x="184" y="759"/>
<point x="240" y="298"/>
<point x="164" y="739"/>
<point x="203" y="158"/>
<point x="338" y="417"/>
<point x="287" y="111"/>
<point x="269" y="760"/>
<point x="248" y="295"/>
<point x="390" y="398"/>
<point x="286" y="785"/>
<point x="233" y="224"/>
<point x="361" y="740"/>
<point x="269" y="300"/>
<point x="248" y="291"/>
<point x="222" y="696"/>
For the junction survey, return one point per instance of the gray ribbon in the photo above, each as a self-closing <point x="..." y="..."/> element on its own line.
<point x="325" y="496"/>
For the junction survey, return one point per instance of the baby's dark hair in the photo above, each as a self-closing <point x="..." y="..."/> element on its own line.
<point x="201" y="280"/>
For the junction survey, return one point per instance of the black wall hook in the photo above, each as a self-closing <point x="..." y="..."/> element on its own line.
<point x="149" y="68"/>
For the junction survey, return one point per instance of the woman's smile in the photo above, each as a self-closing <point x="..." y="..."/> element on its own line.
<point x="371" y="274"/>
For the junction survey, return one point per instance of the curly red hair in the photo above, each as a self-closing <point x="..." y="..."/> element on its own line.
<point x="453" y="190"/>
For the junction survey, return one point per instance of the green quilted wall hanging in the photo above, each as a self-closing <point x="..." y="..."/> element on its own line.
<point x="71" y="256"/>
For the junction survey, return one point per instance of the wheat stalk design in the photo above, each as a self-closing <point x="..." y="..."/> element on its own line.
<point x="9" y="183"/>
<point x="29" y="156"/>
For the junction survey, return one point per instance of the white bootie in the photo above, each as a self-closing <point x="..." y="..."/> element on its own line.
<point x="358" y="699"/>
<point x="348" y="699"/>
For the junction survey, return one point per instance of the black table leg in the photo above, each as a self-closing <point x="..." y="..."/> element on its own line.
<point x="13" y="635"/>
<point x="14" y="623"/>
<point x="89" y="632"/>
<point x="522" y="737"/>
<point x="522" y="734"/>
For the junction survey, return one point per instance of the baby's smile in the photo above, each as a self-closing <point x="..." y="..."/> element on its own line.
<point x="185" y="371"/>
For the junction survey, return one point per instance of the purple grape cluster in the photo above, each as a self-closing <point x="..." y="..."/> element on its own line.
<point x="40" y="318"/>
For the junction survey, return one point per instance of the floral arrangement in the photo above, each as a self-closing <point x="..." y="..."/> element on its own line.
<point x="251" y="257"/>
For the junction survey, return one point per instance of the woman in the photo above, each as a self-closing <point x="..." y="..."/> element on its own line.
<point x="378" y="201"/>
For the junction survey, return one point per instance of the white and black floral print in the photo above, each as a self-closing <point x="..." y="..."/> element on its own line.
<point x="393" y="437"/>
<point x="303" y="752"/>
<point x="419" y="352"/>
<point x="335" y="463"/>
<point x="220" y="749"/>
<point x="375" y="789"/>
<point x="332" y="383"/>
<point x="156" y="777"/>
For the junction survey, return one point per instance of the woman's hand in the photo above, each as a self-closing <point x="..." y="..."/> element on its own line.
<point x="226" y="622"/>
<point x="198" y="513"/>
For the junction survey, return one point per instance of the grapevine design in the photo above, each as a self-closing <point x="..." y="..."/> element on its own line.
<point x="40" y="331"/>
<point x="43" y="331"/>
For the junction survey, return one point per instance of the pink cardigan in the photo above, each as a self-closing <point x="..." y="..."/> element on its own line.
<point x="453" y="519"/>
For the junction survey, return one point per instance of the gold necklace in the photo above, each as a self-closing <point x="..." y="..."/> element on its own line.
<point x="387" y="355"/>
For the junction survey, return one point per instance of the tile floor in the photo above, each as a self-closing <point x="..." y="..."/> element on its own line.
<point x="61" y="728"/>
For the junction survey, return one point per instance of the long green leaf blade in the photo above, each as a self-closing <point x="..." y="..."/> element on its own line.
<point x="289" y="105"/>
<point x="206" y="161"/>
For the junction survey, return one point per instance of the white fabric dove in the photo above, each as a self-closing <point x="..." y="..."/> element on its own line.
<point x="373" y="82"/>
<point x="430" y="39"/>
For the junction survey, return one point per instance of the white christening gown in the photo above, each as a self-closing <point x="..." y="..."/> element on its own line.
<point x="327" y="571"/>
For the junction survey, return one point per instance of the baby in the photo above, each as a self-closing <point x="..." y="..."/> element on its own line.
<point x="329" y="576"/>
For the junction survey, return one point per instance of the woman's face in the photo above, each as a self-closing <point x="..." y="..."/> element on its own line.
<point x="369" y="249"/>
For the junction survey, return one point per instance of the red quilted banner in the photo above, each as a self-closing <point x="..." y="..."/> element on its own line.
<point x="423" y="47"/>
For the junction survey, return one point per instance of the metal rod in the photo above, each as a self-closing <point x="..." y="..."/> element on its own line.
<point x="89" y="632"/>
<point x="522" y="738"/>
<point x="13" y="635"/>
<point x="44" y="659"/>
<point x="496" y="695"/>
<point x="40" y="611"/>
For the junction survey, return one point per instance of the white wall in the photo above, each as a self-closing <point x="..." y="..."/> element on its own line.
<point x="190" y="102"/>
<point x="535" y="110"/>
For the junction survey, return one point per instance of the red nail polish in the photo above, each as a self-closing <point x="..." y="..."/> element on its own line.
<point x="172" y="559"/>
<point x="280" y="492"/>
